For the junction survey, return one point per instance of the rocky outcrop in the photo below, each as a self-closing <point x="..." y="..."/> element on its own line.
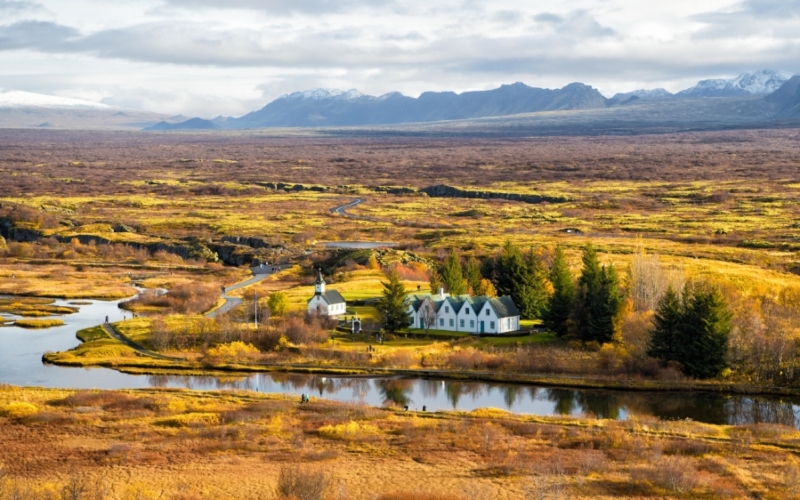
<point x="442" y="191"/>
<point x="252" y="242"/>
<point x="12" y="233"/>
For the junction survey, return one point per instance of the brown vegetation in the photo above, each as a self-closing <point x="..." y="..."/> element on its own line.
<point x="185" y="444"/>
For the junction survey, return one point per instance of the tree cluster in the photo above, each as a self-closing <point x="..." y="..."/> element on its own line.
<point x="692" y="329"/>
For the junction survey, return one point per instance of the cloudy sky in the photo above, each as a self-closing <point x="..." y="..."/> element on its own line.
<point x="210" y="57"/>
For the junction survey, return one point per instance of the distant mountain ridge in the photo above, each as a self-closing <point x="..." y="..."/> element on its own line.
<point x="760" y="82"/>
<point x="331" y="107"/>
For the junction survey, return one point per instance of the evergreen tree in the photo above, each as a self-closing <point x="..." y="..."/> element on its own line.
<point x="532" y="291"/>
<point x="453" y="275"/>
<point x="472" y="273"/>
<point x="692" y="331"/>
<point x="605" y="306"/>
<point x="509" y="270"/>
<point x="562" y="302"/>
<point x="704" y="333"/>
<point x="598" y="299"/>
<point x="392" y="306"/>
<point x="434" y="280"/>
<point x="588" y="284"/>
<point x="664" y="337"/>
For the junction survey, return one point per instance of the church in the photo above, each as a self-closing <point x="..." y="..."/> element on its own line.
<point x="326" y="302"/>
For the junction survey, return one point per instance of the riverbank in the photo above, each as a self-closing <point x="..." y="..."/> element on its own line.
<point x="142" y="365"/>
<point x="159" y="443"/>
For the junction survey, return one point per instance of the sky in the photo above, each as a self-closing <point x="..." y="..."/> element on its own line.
<point x="211" y="57"/>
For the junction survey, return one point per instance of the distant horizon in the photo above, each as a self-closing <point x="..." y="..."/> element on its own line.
<point x="606" y="95"/>
<point x="208" y="58"/>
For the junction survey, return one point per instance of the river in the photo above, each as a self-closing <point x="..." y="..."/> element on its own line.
<point x="21" y="351"/>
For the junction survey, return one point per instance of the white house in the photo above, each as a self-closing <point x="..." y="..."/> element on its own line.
<point x="326" y="303"/>
<point x="463" y="313"/>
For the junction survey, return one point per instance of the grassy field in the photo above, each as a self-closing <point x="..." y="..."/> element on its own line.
<point x="172" y="444"/>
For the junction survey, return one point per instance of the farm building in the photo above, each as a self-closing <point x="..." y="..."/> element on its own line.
<point x="463" y="313"/>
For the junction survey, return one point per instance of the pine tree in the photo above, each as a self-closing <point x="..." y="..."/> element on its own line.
<point x="392" y="306"/>
<point x="510" y="270"/>
<point x="434" y="280"/>
<point x="706" y="326"/>
<point x="588" y="284"/>
<point x="605" y="306"/>
<point x="692" y="330"/>
<point x="532" y="290"/>
<point x="472" y="273"/>
<point x="453" y="275"/>
<point x="598" y="300"/>
<point x="668" y="317"/>
<point x="561" y="303"/>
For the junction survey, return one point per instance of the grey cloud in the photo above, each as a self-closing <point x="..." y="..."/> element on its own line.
<point x="578" y="23"/>
<point x="752" y="17"/>
<point x="12" y="6"/>
<point x="282" y="7"/>
<point x="508" y="17"/>
<point x="40" y="35"/>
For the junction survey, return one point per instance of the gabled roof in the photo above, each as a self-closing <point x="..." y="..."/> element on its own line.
<point x="331" y="297"/>
<point x="478" y="302"/>
<point x="320" y="280"/>
<point x="504" y="307"/>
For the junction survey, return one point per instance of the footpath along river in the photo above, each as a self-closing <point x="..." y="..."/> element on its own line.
<point x="21" y="352"/>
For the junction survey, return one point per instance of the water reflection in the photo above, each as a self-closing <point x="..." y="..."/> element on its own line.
<point x="447" y="395"/>
<point x="21" y="351"/>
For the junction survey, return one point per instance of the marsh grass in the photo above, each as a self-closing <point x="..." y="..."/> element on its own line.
<point x="36" y="324"/>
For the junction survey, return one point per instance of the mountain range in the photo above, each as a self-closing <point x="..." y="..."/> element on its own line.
<point x="753" y="99"/>
<point x="337" y="108"/>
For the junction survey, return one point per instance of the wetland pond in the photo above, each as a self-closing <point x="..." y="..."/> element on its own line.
<point x="21" y="352"/>
<point x="357" y="245"/>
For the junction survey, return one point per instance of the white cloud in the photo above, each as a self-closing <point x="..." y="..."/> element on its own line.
<point x="208" y="57"/>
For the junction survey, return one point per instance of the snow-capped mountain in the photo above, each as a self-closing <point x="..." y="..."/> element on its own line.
<point x="643" y="94"/>
<point x="20" y="99"/>
<point x="322" y="94"/>
<point x="760" y="82"/>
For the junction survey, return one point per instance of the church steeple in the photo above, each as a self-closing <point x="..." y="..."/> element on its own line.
<point x="319" y="284"/>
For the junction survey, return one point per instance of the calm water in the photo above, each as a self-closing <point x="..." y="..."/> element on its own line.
<point x="358" y="244"/>
<point x="21" y="351"/>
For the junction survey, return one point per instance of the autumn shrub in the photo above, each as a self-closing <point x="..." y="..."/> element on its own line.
<point x="303" y="329"/>
<point x="233" y="351"/>
<point x="474" y="359"/>
<point x="417" y="495"/>
<point x="303" y="483"/>
<point x="190" y="420"/>
<point x="189" y="298"/>
<point x="349" y="431"/>
<point x="18" y="410"/>
<point x="675" y="474"/>
<point x="399" y="358"/>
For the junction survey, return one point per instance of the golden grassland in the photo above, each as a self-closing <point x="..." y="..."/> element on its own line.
<point x="35" y="324"/>
<point x="33" y="307"/>
<point x="178" y="444"/>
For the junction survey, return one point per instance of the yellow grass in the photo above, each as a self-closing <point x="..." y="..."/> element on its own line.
<point x="38" y="323"/>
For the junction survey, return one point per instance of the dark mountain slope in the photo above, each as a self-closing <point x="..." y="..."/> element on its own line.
<point x="328" y="108"/>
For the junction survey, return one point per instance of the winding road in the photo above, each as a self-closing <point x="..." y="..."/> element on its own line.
<point x="230" y="303"/>
<point x="342" y="210"/>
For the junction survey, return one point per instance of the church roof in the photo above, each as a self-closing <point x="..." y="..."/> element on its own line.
<point x="332" y="297"/>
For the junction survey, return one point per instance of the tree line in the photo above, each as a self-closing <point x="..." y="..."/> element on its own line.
<point x="691" y="325"/>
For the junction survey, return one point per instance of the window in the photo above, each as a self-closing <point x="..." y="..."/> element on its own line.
<point x="491" y="325"/>
<point x="447" y="309"/>
<point x="441" y="321"/>
<point x="451" y="322"/>
<point x="487" y="312"/>
<point x="468" y="310"/>
<point x="472" y="323"/>
<point x="462" y="323"/>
